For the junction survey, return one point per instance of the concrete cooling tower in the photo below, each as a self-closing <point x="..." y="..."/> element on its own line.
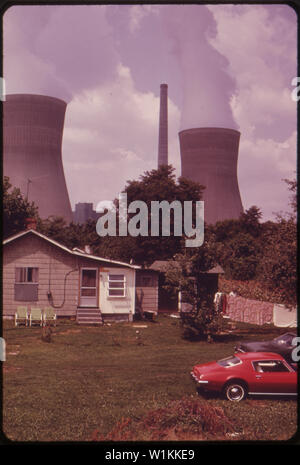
<point x="209" y="156"/>
<point x="32" y="133"/>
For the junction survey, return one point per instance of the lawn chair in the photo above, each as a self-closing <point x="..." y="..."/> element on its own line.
<point x="21" y="315"/>
<point x="35" y="316"/>
<point x="49" y="315"/>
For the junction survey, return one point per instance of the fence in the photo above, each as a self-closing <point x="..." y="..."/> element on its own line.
<point x="259" y="313"/>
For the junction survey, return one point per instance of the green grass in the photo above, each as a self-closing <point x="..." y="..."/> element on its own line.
<point x="90" y="378"/>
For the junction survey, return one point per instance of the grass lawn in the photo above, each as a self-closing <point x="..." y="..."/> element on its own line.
<point x="90" y="378"/>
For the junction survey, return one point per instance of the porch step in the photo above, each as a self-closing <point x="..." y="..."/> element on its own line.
<point x="89" y="316"/>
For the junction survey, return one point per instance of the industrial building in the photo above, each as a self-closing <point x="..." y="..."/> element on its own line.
<point x="209" y="156"/>
<point x="33" y="130"/>
<point x="32" y="156"/>
<point x="83" y="212"/>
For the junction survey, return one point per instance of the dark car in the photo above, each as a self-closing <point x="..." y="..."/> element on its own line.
<point x="283" y="345"/>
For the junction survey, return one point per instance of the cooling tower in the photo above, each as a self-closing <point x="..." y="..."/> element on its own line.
<point x="32" y="132"/>
<point x="209" y="156"/>
<point x="163" y="126"/>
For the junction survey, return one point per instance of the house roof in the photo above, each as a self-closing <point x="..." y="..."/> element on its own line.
<point x="77" y="252"/>
<point x="161" y="265"/>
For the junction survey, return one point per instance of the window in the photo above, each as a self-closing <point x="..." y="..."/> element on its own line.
<point x="26" y="284"/>
<point x="270" y="366"/>
<point x="116" y="285"/>
<point x="26" y="275"/>
<point x="229" y="361"/>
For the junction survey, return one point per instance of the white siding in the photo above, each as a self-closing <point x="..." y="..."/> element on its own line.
<point x="117" y="305"/>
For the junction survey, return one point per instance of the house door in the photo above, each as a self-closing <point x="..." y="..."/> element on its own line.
<point x="88" y="287"/>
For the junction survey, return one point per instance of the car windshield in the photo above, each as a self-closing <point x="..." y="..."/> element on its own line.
<point x="229" y="361"/>
<point x="285" y="339"/>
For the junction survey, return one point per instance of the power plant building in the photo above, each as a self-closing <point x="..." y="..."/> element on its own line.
<point x="83" y="212"/>
<point x="32" y="157"/>
<point x="209" y="156"/>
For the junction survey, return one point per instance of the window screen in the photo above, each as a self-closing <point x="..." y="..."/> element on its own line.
<point x="26" y="284"/>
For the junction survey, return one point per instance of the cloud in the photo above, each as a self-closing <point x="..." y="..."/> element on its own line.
<point x="207" y="86"/>
<point x="110" y="136"/>
<point x="263" y="166"/>
<point x="225" y="65"/>
<point x="137" y="13"/>
<point x="67" y="49"/>
<point x="263" y="65"/>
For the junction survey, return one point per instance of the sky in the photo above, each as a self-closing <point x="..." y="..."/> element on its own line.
<point x="225" y="65"/>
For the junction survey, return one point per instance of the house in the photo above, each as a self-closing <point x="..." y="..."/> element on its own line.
<point x="40" y="272"/>
<point x="167" y="302"/>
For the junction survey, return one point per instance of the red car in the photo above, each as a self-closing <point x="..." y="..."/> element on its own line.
<point x="253" y="373"/>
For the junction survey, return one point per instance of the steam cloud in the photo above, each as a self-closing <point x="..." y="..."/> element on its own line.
<point x="67" y="49"/>
<point x="207" y="86"/>
<point x="63" y="49"/>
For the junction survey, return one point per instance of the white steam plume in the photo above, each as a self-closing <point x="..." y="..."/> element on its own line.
<point x="207" y="86"/>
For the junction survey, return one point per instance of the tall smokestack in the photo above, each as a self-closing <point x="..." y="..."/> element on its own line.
<point x="163" y="126"/>
<point x="32" y="132"/>
<point x="209" y="156"/>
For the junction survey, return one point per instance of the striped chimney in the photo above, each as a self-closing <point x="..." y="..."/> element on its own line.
<point x="163" y="126"/>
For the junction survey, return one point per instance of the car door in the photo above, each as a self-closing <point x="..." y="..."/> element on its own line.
<point x="274" y="377"/>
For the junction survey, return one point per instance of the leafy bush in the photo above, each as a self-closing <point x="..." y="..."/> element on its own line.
<point x="255" y="290"/>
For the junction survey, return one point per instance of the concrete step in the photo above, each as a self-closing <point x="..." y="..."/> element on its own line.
<point x="88" y="316"/>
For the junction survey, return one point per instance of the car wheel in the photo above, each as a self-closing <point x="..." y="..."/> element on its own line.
<point x="235" y="391"/>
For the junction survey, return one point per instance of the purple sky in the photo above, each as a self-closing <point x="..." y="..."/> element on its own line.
<point x="225" y="65"/>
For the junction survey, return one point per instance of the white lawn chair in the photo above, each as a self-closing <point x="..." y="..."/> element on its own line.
<point x="49" y="315"/>
<point x="21" y="315"/>
<point x="36" y="316"/>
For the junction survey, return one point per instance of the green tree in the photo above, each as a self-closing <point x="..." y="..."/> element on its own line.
<point x="16" y="209"/>
<point x="185" y="274"/>
<point x="238" y="244"/>
<point x="292" y="186"/>
<point x="156" y="185"/>
<point x="71" y="235"/>
<point x="240" y="257"/>
<point x="278" y="265"/>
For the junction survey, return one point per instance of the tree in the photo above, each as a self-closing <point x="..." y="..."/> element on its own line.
<point x="185" y="274"/>
<point x="240" y="257"/>
<point x="16" y="209"/>
<point x="238" y="244"/>
<point x="156" y="185"/>
<point x="250" y="221"/>
<point x="278" y="265"/>
<point x="72" y="234"/>
<point x="293" y="188"/>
